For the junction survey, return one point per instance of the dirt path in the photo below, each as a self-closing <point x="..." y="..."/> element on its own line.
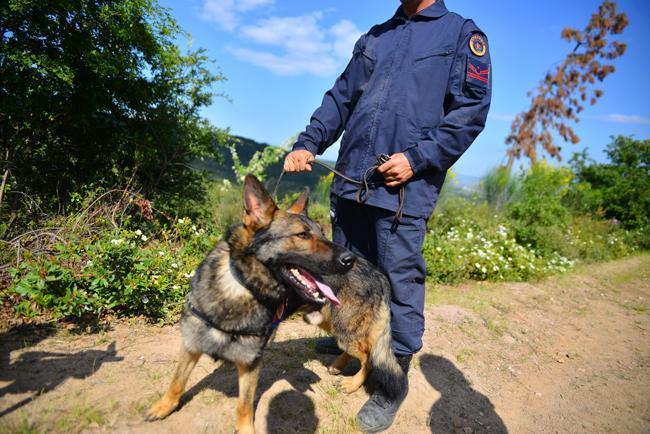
<point x="569" y="354"/>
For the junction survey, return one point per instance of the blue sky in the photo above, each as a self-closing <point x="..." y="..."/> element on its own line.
<point x="280" y="56"/>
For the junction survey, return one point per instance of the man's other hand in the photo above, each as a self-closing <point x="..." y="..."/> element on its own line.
<point x="298" y="161"/>
<point x="396" y="171"/>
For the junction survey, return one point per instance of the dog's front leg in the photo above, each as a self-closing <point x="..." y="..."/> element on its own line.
<point x="248" y="375"/>
<point x="170" y="399"/>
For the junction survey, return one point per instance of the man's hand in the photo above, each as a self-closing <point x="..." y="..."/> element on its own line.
<point x="298" y="161"/>
<point x="396" y="171"/>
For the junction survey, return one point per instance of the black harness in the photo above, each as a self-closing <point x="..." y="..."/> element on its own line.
<point x="234" y="334"/>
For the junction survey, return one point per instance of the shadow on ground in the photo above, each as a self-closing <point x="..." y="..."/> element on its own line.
<point x="40" y="372"/>
<point x="289" y="411"/>
<point x="460" y="408"/>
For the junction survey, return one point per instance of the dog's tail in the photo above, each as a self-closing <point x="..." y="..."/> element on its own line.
<point x="385" y="369"/>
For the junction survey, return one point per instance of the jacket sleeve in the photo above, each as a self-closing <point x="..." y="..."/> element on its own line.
<point x="329" y="120"/>
<point x="467" y="102"/>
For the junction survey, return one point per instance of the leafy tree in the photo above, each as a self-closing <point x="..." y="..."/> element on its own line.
<point x="618" y="189"/>
<point x="562" y="94"/>
<point x="97" y="93"/>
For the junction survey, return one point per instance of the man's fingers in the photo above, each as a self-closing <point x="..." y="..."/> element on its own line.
<point x="386" y="166"/>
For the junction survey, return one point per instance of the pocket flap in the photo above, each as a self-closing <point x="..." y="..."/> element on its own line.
<point x="431" y="52"/>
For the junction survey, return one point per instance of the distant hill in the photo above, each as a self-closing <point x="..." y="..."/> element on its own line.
<point x="291" y="182"/>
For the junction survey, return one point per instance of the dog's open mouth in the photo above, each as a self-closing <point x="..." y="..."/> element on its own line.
<point x="308" y="285"/>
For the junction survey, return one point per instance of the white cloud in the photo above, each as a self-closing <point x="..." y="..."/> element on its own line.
<point x="299" y="45"/>
<point x="623" y="119"/>
<point x="226" y="13"/>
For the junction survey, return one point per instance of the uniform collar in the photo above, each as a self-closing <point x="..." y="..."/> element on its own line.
<point x="436" y="10"/>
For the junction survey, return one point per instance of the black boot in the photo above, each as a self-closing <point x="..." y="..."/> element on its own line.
<point x="327" y="345"/>
<point x="378" y="413"/>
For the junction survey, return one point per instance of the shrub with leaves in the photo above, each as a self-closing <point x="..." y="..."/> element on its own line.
<point x="125" y="272"/>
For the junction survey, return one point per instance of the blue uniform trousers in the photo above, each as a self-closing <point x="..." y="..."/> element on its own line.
<point x="371" y="232"/>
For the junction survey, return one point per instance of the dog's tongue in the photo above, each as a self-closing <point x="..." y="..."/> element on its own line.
<point x="328" y="293"/>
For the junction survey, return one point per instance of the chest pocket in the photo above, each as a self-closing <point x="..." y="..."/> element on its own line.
<point x="425" y="57"/>
<point x="429" y="73"/>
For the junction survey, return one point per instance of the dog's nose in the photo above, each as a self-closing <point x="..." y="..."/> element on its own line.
<point x="347" y="259"/>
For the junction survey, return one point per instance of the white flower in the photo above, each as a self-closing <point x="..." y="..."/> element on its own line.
<point x="145" y="299"/>
<point x="174" y="265"/>
<point x="175" y="287"/>
<point x="187" y="275"/>
<point x="181" y="221"/>
<point x="438" y="249"/>
<point x="194" y="228"/>
<point x="89" y="263"/>
<point x="144" y="238"/>
<point x="478" y="265"/>
<point x="484" y="270"/>
<point x="161" y="253"/>
<point x="117" y="242"/>
<point x="138" y="232"/>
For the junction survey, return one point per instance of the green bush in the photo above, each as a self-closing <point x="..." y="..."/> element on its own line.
<point x="473" y="244"/>
<point x="125" y="272"/>
<point x="617" y="190"/>
<point x="537" y="206"/>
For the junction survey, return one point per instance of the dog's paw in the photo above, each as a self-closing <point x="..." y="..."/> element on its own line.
<point x="348" y="385"/>
<point x="160" y="410"/>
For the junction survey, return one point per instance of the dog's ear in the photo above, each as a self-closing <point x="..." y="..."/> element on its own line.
<point x="258" y="204"/>
<point x="300" y="205"/>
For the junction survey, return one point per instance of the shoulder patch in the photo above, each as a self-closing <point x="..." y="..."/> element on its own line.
<point x="478" y="73"/>
<point x="478" y="45"/>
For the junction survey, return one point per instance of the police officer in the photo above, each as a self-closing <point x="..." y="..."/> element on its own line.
<point x="417" y="89"/>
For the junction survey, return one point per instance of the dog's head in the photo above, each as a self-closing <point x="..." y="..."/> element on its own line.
<point x="291" y="245"/>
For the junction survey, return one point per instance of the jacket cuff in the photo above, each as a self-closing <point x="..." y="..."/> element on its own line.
<point x="416" y="159"/>
<point x="311" y="147"/>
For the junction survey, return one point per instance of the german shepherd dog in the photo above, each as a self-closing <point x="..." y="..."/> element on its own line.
<point x="270" y="266"/>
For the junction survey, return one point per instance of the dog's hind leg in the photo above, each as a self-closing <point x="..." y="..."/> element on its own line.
<point x="171" y="398"/>
<point x="352" y="384"/>
<point x="248" y="375"/>
<point x="339" y="364"/>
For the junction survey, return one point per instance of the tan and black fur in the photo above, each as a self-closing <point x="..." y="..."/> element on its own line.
<point x="240" y="286"/>
<point x="361" y="326"/>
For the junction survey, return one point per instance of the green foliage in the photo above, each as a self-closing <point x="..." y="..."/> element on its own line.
<point x="618" y="190"/>
<point x="258" y="164"/>
<point x="467" y="241"/>
<point x="537" y="204"/>
<point x="125" y="272"/>
<point x="98" y="93"/>
<point x="498" y="187"/>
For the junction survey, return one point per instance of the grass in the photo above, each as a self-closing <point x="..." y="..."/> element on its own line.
<point x="464" y="355"/>
<point x="79" y="417"/>
<point x="22" y="426"/>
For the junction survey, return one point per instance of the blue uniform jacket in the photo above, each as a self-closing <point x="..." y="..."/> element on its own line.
<point x="420" y="86"/>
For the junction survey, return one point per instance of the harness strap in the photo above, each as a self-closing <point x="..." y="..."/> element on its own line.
<point x="363" y="191"/>
<point x="233" y="333"/>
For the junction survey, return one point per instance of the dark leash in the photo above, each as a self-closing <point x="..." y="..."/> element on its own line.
<point x="364" y="184"/>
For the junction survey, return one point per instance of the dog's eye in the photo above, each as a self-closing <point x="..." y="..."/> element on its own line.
<point x="304" y="235"/>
